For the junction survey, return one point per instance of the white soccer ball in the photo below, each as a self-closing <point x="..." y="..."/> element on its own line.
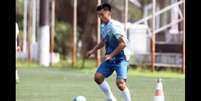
<point x="79" y="98"/>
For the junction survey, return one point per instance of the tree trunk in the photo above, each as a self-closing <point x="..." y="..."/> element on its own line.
<point x="88" y="37"/>
<point x="86" y="20"/>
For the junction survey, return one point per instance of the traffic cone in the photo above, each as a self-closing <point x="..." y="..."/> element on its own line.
<point x="159" y="94"/>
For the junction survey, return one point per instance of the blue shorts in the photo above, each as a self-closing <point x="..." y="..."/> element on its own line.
<point x="108" y="67"/>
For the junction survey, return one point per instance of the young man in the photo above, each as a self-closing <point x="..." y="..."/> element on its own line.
<point x="114" y="39"/>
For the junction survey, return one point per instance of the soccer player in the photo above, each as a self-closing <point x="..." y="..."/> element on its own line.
<point x="113" y="37"/>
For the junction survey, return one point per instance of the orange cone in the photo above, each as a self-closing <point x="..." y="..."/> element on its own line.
<point x="159" y="94"/>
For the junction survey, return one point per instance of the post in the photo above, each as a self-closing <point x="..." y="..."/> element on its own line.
<point x="153" y="37"/>
<point x="29" y="30"/>
<point x="33" y="21"/>
<point x="25" y="27"/>
<point x="174" y="18"/>
<point x="52" y="30"/>
<point x="74" y="56"/>
<point x="98" y="57"/>
<point x="183" y="54"/>
<point x="44" y="37"/>
<point x="37" y="22"/>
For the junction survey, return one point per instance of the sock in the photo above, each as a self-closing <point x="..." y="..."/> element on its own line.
<point x="106" y="89"/>
<point x="126" y="94"/>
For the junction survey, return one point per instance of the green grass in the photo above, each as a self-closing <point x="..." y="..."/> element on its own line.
<point x="90" y="66"/>
<point x="39" y="83"/>
<point x="161" y="74"/>
<point x="81" y="64"/>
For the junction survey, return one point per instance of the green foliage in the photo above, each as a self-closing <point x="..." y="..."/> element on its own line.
<point x="19" y="20"/>
<point x="19" y="13"/>
<point x="19" y="7"/>
<point x="62" y="27"/>
<point x="24" y="63"/>
<point x="62" y="37"/>
<point x="166" y="73"/>
<point x="146" y="1"/>
<point x="134" y="13"/>
<point x="81" y="64"/>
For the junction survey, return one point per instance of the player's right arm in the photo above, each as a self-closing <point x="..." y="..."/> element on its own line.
<point x="98" y="46"/>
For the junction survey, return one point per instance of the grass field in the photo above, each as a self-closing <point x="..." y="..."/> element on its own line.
<point x="62" y="84"/>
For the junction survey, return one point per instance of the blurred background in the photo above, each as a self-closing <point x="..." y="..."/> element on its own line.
<point x="72" y="30"/>
<point x="53" y="37"/>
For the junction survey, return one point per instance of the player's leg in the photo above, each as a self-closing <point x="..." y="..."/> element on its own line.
<point x="121" y="70"/>
<point x="103" y="72"/>
<point x="124" y="89"/>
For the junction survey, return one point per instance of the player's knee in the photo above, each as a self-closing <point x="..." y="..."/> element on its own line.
<point x="121" y="84"/>
<point x="98" y="78"/>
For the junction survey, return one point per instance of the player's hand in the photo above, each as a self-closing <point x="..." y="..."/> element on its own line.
<point x="108" y="57"/>
<point x="89" y="53"/>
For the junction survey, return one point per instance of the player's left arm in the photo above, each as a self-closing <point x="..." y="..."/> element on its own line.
<point x="120" y="47"/>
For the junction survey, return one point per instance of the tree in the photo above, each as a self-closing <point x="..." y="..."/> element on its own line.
<point x="86" y="18"/>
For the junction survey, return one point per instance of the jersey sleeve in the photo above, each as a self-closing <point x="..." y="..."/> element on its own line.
<point x="119" y="32"/>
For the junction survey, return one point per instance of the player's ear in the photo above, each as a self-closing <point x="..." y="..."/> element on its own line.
<point x="110" y="13"/>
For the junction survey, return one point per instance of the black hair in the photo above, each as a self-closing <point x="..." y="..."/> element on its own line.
<point x="104" y="6"/>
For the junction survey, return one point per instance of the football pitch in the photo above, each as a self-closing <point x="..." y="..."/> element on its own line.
<point x="50" y="84"/>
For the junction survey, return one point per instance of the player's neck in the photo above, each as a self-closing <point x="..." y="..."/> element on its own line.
<point x="108" y="20"/>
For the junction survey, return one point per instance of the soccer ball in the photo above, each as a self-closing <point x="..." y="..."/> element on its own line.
<point x="79" y="98"/>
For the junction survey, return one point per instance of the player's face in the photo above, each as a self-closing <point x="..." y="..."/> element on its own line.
<point x="104" y="15"/>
